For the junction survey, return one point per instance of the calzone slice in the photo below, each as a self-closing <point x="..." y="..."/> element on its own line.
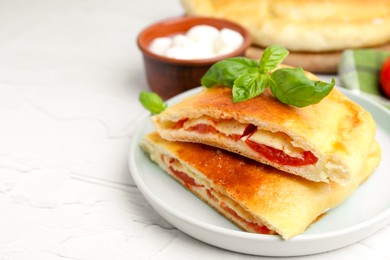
<point x="256" y="197"/>
<point x="326" y="141"/>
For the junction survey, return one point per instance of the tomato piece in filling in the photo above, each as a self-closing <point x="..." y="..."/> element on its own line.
<point x="272" y="154"/>
<point x="179" y="124"/>
<point x="261" y="229"/>
<point x="206" y="129"/>
<point x="249" y="129"/>
<point x="187" y="180"/>
<point x="203" y="128"/>
<point x="280" y="157"/>
<point x="211" y="195"/>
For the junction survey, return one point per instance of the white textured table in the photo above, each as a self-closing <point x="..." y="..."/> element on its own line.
<point x="70" y="74"/>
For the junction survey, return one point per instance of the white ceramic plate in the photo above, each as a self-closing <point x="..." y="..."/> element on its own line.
<point x="362" y="214"/>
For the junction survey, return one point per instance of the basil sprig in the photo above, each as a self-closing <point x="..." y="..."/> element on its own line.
<point x="249" y="78"/>
<point x="152" y="102"/>
<point x="291" y="86"/>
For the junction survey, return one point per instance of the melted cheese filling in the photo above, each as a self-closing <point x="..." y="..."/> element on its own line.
<point x="277" y="140"/>
<point x="231" y="127"/>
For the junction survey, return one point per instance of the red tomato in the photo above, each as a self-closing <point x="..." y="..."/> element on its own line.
<point x="278" y="156"/>
<point x="384" y="77"/>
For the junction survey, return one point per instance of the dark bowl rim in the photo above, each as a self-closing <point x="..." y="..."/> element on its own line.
<point x="179" y="19"/>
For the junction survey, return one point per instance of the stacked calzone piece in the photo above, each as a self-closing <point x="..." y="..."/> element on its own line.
<point x="256" y="197"/>
<point x="321" y="142"/>
<point x="269" y="167"/>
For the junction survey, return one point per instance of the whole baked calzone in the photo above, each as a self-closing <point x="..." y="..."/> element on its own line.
<point x="256" y="197"/>
<point x="309" y="25"/>
<point x="326" y="141"/>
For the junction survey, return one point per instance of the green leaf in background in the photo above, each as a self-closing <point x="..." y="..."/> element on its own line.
<point x="249" y="85"/>
<point x="226" y="71"/>
<point x="291" y="86"/>
<point x="272" y="57"/>
<point x="152" y="102"/>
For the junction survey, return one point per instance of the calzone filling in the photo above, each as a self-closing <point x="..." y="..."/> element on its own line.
<point x="276" y="147"/>
<point x="219" y="201"/>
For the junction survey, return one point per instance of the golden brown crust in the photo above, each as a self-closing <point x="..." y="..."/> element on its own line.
<point x="287" y="204"/>
<point x="314" y="25"/>
<point x="336" y="130"/>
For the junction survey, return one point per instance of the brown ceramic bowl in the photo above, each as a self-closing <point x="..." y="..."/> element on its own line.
<point x="169" y="77"/>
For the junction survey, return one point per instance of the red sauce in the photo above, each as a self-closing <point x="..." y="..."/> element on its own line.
<point x="248" y="130"/>
<point x="179" y="124"/>
<point x="235" y="137"/>
<point x="211" y="196"/>
<point x="187" y="180"/>
<point x="203" y="128"/>
<point x="261" y="229"/>
<point x="280" y="157"/>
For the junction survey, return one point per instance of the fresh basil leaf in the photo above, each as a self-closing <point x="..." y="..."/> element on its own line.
<point x="272" y="57"/>
<point x="249" y="78"/>
<point x="291" y="86"/>
<point x="152" y="102"/>
<point x="225" y="72"/>
<point x="249" y="85"/>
